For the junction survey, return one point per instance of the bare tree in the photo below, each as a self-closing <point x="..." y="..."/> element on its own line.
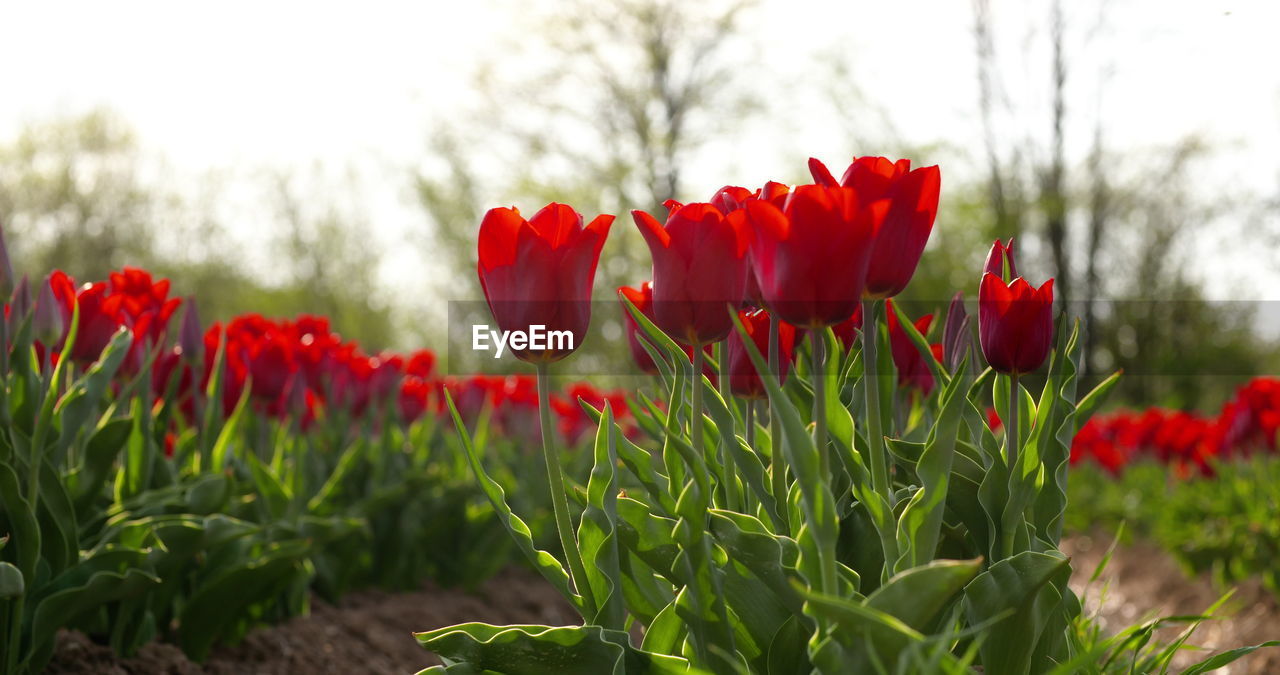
<point x="630" y="92"/>
<point x="1053" y="199"/>
<point x="72" y="196"/>
<point x="1004" y="181"/>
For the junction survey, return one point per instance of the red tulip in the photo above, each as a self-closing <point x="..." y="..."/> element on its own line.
<point x="642" y="298"/>
<point x="574" y="423"/>
<point x="539" y="272"/>
<point x="906" y="228"/>
<point x="996" y="259"/>
<point x="699" y="267"/>
<point x="744" y="380"/>
<point x="731" y="198"/>
<point x="847" y="331"/>
<point x="1015" y="320"/>
<point x="144" y="302"/>
<point x="913" y="371"/>
<point x="99" y="315"/>
<point x="415" y="393"/>
<point x="421" y="363"/>
<point x="811" y="256"/>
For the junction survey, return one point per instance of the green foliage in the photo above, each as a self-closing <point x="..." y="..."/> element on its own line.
<point x="1223" y="525"/>
<point x="708" y="567"/>
<point x="100" y="531"/>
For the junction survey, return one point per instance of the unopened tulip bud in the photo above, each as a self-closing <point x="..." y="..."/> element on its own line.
<point x="190" y="336"/>
<point x="956" y="337"/>
<point x="6" y="268"/>
<point x="21" y="303"/>
<point x="1000" y="253"/>
<point x="47" y="322"/>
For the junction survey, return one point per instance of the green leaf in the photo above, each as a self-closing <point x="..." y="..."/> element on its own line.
<point x="822" y="522"/>
<point x="1094" y="399"/>
<point x="897" y="615"/>
<point x="638" y="460"/>
<point x="648" y="536"/>
<point x="11" y="582"/>
<point x="921" y="519"/>
<point x="274" y="495"/>
<point x="597" y="533"/>
<point x="67" y="606"/>
<point x="544" y="562"/>
<point x="749" y="467"/>
<point x="221" y="602"/>
<point x="547" y="650"/>
<point x="1026" y="590"/>
<point x="664" y="634"/>
<point x="1219" y="660"/>
<point x="919" y="595"/>
<point x="99" y="458"/>
<point x="770" y="558"/>
<point x="221" y="449"/>
<point x="26" y="530"/>
<point x="87" y="394"/>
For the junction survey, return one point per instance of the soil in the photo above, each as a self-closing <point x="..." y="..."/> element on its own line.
<point x="367" y="632"/>
<point x="370" y="631"/>
<point x="1142" y="582"/>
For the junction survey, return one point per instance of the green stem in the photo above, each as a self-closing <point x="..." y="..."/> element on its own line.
<point x="1011" y="429"/>
<point x="695" y="413"/>
<point x="559" y="501"/>
<point x="827" y="557"/>
<point x="875" y="430"/>
<point x="749" y="420"/>
<point x="723" y="453"/>
<point x="777" y="466"/>
<point x="1011" y="451"/>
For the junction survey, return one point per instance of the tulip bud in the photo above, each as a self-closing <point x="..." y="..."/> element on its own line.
<point x="956" y="337"/>
<point x="191" y="337"/>
<point x="744" y="380"/>
<point x="20" y="305"/>
<point x="688" y="302"/>
<point x="1015" y="323"/>
<point x="47" y="323"/>
<point x="6" y="268"/>
<point x="1000" y="253"/>
<point x="910" y="362"/>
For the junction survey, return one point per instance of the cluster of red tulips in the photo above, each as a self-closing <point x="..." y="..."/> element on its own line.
<point x="296" y="369"/>
<point x="1188" y="442"/>
<point x="791" y="259"/>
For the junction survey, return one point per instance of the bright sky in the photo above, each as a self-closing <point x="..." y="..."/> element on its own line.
<point x="233" y="87"/>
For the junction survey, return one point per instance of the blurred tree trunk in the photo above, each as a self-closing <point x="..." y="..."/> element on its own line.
<point x="1003" y="182"/>
<point x="1053" y="198"/>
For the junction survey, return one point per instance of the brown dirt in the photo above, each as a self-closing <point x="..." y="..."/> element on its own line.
<point x="369" y="631"/>
<point x="1142" y="582"/>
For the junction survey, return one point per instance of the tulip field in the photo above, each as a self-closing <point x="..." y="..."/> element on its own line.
<point x="800" y="477"/>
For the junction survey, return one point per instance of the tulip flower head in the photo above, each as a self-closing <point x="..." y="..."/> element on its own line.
<point x="811" y="256"/>
<point x="699" y="267"/>
<point x="956" y="336"/>
<point x="539" y="272"/>
<point x="913" y="371"/>
<point x="1015" y="319"/>
<point x="744" y="379"/>
<point x="913" y="196"/>
<point x="642" y="298"/>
